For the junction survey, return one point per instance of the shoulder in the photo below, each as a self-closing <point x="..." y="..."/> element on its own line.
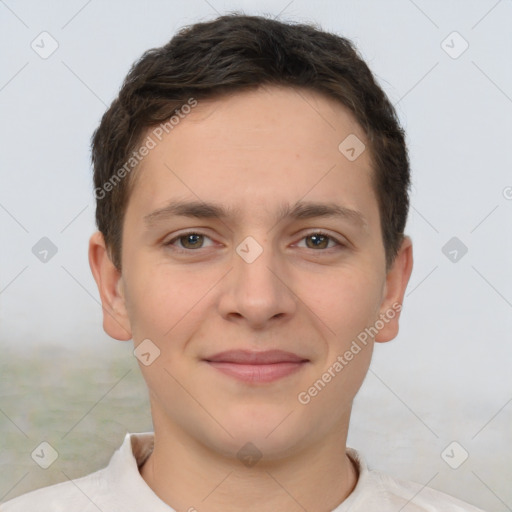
<point x="420" y="498"/>
<point x="117" y="487"/>
<point x="72" y="496"/>
<point x="376" y="491"/>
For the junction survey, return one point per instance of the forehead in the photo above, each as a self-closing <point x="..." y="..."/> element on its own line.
<point x="271" y="143"/>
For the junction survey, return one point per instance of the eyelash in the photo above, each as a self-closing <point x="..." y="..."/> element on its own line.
<point x="340" y="245"/>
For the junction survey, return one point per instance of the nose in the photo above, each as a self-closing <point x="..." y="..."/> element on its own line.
<point x="257" y="291"/>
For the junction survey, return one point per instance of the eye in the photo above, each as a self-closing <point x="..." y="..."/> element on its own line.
<point x="320" y="240"/>
<point x="189" y="241"/>
<point x="193" y="240"/>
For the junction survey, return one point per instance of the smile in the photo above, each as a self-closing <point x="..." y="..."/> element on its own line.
<point x="257" y="367"/>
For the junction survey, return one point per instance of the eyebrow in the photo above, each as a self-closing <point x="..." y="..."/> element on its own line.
<point x="300" y="210"/>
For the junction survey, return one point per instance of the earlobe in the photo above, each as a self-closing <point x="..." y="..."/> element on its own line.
<point x="109" y="281"/>
<point x="396" y="283"/>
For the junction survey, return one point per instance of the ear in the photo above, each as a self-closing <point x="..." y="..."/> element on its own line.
<point x="110" y="285"/>
<point x="394" y="289"/>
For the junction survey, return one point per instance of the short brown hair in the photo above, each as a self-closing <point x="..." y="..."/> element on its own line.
<point x="238" y="52"/>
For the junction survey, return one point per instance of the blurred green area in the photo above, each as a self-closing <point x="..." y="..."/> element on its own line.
<point x="82" y="402"/>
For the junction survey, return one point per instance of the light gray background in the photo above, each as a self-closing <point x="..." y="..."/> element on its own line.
<point x="447" y="375"/>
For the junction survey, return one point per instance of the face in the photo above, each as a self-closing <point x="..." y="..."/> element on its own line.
<point x="281" y="251"/>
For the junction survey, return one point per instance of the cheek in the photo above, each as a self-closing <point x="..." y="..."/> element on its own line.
<point x="159" y="297"/>
<point x="346" y="300"/>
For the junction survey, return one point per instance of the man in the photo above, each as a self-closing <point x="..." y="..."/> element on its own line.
<point x="252" y="192"/>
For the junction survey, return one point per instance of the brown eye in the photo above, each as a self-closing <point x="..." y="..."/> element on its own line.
<point x="191" y="241"/>
<point x="188" y="241"/>
<point x="318" y="241"/>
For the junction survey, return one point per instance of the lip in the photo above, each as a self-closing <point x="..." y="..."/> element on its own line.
<point x="253" y="358"/>
<point x="257" y="367"/>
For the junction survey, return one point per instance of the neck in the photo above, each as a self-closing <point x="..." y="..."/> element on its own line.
<point x="188" y="475"/>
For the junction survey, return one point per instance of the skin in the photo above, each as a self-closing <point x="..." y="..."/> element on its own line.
<point x="253" y="151"/>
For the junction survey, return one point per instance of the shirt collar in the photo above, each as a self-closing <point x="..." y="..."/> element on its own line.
<point x="123" y="474"/>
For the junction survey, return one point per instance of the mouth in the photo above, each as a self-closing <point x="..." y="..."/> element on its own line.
<point x="257" y="367"/>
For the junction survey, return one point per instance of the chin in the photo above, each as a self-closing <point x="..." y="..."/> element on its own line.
<point x="272" y="434"/>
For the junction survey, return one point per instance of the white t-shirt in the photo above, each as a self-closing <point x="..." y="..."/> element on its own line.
<point x="120" y="488"/>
